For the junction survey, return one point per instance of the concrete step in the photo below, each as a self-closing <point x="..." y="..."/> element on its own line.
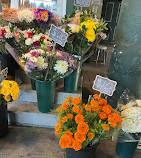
<point x="31" y="96"/>
<point x="25" y="112"/>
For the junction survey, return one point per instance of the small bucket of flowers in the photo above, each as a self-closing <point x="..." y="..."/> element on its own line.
<point x="131" y="129"/>
<point x="46" y="67"/>
<point x="9" y="92"/>
<point x="82" y="127"/>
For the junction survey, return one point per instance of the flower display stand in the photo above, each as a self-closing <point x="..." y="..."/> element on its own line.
<point x="25" y="110"/>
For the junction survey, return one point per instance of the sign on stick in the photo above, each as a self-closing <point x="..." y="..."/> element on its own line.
<point x="104" y="85"/>
<point x="82" y="3"/>
<point x="58" y="36"/>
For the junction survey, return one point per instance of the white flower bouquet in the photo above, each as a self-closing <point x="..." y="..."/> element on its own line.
<point x="131" y="115"/>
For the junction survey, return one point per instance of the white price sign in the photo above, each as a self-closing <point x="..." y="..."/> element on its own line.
<point x="96" y="2"/>
<point x="82" y="3"/>
<point x="104" y="85"/>
<point x="57" y="35"/>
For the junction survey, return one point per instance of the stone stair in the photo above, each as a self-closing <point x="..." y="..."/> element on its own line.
<point x="24" y="111"/>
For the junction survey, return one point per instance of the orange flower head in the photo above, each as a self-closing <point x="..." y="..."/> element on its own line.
<point x="88" y="108"/>
<point x="80" y="137"/>
<point x="107" y="109"/>
<point x="44" y="16"/>
<point x="64" y="119"/>
<point x="102" y="101"/>
<point x="58" y="127"/>
<point x="65" y="141"/>
<point x="65" y="105"/>
<point x="117" y="117"/>
<point x="96" y="96"/>
<point x="80" y="111"/>
<point x="57" y="133"/>
<point x="106" y="127"/>
<point x="76" y="109"/>
<point x="102" y="115"/>
<point x="59" y="109"/>
<point x="112" y="121"/>
<point x="76" y="101"/>
<point x="113" y="124"/>
<point x="59" y="122"/>
<point x="94" y="103"/>
<point x="69" y="99"/>
<point x="70" y="116"/>
<point x="69" y="133"/>
<point x="97" y="108"/>
<point x="83" y="105"/>
<point x="90" y="136"/>
<point x="79" y="118"/>
<point x="111" y="118"/>
<point x="77" y="145"/>
<point x="83" y="127"/>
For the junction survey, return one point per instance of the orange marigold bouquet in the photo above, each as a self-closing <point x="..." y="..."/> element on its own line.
<point x="80" y="126"/>
<point x="9" y="91"/>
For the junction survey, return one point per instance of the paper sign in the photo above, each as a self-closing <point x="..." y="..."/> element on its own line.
<point x="3" y="74"/>
<point x="58" y="35"/>
<point x="104" y="85"/>
<point x="96" y="2"/>
<point x="82" y="3"/>
<point x="0" y="6"/>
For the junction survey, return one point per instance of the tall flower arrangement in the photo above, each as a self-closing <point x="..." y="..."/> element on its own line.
<point x="80" y="126"/>
<point x="84" y="30"/>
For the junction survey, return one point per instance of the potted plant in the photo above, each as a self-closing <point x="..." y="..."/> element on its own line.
<point x="9" y="92"/>
<point x="82" y="127"/>
<point x="131" y="128"/>
<point x="46" y="67"/>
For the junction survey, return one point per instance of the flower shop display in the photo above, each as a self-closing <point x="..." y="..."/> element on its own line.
<point x="46" y="67"/>
<point x="44" y="61"/>
<point x="131" y="126"/>
<point x="82" y="127"/>
<point x="9" y="92"/>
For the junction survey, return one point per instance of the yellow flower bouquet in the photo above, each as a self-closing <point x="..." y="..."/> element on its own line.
<point x="84" y="29"/>
<point x="9" y="91"/>
<point x="82" y="126"/>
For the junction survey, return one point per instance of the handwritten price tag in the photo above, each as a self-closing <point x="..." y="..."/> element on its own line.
<point x="96" y="2"/>
<point x="82" y="3"/>
<point x="0" y="6"/>
<point x="58" y="35"/>
<point x="104" y="85"/>
<point x="3" y="74"/>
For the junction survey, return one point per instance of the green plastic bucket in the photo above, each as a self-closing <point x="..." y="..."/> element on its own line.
<point x="71" y="82"/>
<point x="45" y="95"/>
<point x="33" y="84"/>
<point x="126" y="149"/>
